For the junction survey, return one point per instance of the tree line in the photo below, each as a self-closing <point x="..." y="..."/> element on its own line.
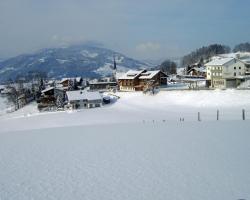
<point x="201" y="55"/>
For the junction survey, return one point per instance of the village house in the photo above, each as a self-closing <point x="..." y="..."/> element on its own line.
<point x="130" y="80"/>
<point x="2" y="88"/>
<point x="247" y="65"/>
<point x="102" y="85"/>
<point x="152" y="78"/>
<point x="139" y="80"/>
<point x="84" y="99"/>
<point x="225" y="72"/>
<point x="49" y="96"/>
<point x="197" y="72"/>
<point x="65" y="82"/>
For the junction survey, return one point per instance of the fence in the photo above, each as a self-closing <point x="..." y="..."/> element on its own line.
<point x="216" y="115"/>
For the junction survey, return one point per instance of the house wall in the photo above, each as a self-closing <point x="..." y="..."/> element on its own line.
<point x="65" y="83"/>
<point x="128" y="84"/>
<point x="224" y="76"/>
<point x="233" y="69"/>
<point x="80" y="104"/>
<point x="137" y="84"/>
<point x="218" y="83"/>
<point x="247" y="69"/>
<point x="228" y="70"/>
<point x="102" y="86"/>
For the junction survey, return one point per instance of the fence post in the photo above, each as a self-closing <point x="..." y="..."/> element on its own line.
<point x="243" y="114"/>
<point x="199" y="116"/>
<point x="218" y="115"/>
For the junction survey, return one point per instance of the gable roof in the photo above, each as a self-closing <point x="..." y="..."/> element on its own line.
<point x="47" y="89"/>
<point x="149" y="74"/>
<point x="219" y="61"/>
<point x="198" y="69"/>
<point x="83" y="95"/>
<point x="131" y="74"/>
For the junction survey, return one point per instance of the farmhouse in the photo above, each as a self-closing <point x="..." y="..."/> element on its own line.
<point x="84" y="99"/>
<point x="130" y="81"/>
<point x="197" y="72"/>
<point x="225" y="72"/>
<point x="66" y="82"/>
<point x="155" y="78"/>
<point x="140" y="80"/>
<point x="102" y="85"/>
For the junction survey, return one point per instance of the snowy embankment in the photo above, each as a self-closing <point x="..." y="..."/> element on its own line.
<point x="5" y="106"/>
<point x="126" y="151"/>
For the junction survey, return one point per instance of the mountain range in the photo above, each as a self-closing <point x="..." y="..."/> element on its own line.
<point x="77" y="60"/>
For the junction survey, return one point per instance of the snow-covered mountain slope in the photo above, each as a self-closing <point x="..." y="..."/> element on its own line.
<point x="77" y="60"/>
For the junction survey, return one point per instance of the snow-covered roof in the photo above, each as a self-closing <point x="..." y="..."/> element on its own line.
<point x="83" y="95"/>
<point x="148" y="74"/>
<point x="219" y="61"/>
<point x="247" y="60"/>
<point x="64" y="79"/>
<point x="131" y="74"/>
<point x="103" y="83"/>
<point x="78" y="79"/>
<point x="200" y="69"/>
<point x="47" y="89"/>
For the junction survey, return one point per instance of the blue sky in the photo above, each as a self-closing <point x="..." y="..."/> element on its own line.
<point x="142" y="29"/>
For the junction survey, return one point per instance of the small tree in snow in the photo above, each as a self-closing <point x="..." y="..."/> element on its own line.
<point x="71" y="85"/>
<point x="59" y="101"/>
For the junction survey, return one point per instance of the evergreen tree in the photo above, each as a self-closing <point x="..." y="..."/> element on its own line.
<point x="71" y="85"/>
<point x="168" y="67"/>
<point x="204" y="53"/>
<point x="59" y="101"/>
<point x="244" y="47"/>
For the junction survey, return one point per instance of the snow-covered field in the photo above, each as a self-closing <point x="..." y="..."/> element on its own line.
<point x="137" y="107"/>
<point x="126" y="150"/>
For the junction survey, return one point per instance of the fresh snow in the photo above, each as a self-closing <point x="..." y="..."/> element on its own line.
<point x="41" y="60"/>
<point x="135" y="148"/>
<point x="107" y="69"/>
<point x="7" y="69"/>
<point x="127" y="161"/>
<point x="138" y="107"/>
<point x="61" y="61"/>
<point x="89" y="54"/>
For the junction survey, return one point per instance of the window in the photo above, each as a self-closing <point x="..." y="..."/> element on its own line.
<point x="239" y="73"/>
<point x="239" y="67"/>
<point x="234" y="73"/>
<point x="234" y="68"/>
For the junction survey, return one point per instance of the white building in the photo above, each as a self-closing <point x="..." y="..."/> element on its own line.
<point x="84" y="99"/>
<point x="225" y="72"/>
